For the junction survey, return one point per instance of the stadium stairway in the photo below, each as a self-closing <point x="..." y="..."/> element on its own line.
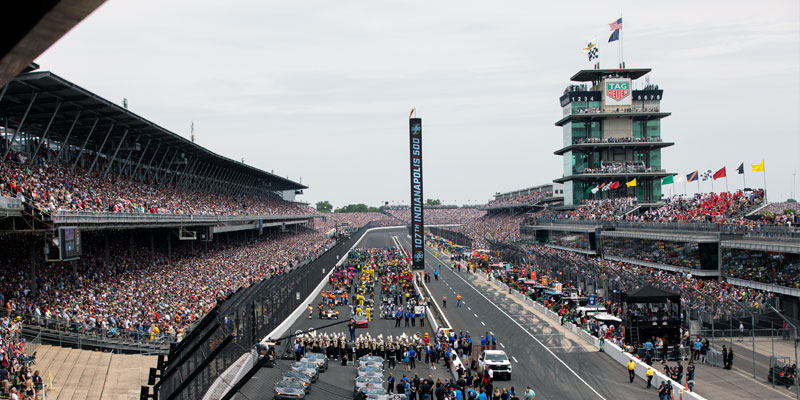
<point x="79" y="341"/>
<point x="91" y="375"/>
<point x="755" y="210"/>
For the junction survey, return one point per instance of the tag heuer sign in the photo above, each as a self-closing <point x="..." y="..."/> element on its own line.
<point x="618" y="92"/>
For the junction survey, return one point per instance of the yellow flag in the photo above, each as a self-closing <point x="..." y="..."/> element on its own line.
<point x="631" y="183"/>
<point x="758" y="167"/>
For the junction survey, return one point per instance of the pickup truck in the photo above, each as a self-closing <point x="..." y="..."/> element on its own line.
<point x="497" y="361"/>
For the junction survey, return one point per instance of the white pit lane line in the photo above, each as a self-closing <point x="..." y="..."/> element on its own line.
<point x="527" y="332"/>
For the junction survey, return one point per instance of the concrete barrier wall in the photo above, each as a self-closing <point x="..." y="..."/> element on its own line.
<point x="615" y="352"/>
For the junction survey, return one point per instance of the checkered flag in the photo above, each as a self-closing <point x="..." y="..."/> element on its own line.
<point x="593" y="54"/>
<point x="706" y="175"/>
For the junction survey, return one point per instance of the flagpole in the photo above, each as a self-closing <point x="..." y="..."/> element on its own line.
<point x="744" y="181"/>
<point x="621" y="53"/>
<point x="764" y="171"/>
<point x="712" y="185"/>
<point x="726" y="181"/>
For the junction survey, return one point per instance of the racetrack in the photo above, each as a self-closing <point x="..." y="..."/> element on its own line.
<point x="554" y="365"/>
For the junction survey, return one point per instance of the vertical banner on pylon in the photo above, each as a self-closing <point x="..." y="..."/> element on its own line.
<point x="417" y="211"/>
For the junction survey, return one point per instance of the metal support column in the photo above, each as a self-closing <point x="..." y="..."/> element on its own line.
<point x="46" y="132"/>
<point x="3" y="93"/>
<point x="114" y="157"/>
<point x="78" y="157"/>
<point x="100" y="150"/>
<point x="211" y="179"/>
<point x="188" y="173"/>
<point x="139" y="162"/>
<point x="125" y="165"/>
<point x="194" y="175"/>
<point x="151" y="158"/>
<point x="65" y="143"/>
<point x="165" y="169"/>
<point x="21" y="122"/>
<point x="175" y="175"/>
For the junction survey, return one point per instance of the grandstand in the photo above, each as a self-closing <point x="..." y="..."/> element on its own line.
<point x="120" y="235"/>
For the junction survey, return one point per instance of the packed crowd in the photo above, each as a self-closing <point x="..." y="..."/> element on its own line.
<point x="606" y="210"/>
<point x="440" y="216"/>
<point x="709" y="296"/>
<point x="155" y="297"/>
<point x="57" y="188"/>
<point x="616" y="167"/>
<point x="782" y="269"/>
<point x="17" y="379"/>
<point x="723" y="208"/>
<point x="617" y="140"/>
<point x="329" y="221"/>
<point x="526" y="198"/>
<point x="495" y="227"/>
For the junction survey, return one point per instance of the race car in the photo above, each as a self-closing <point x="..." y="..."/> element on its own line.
<point x="361" y="321"/>
<point x="330" y="314"/>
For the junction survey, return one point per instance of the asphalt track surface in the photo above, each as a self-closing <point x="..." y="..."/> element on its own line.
<point x="337" y="381"/>
<point x="556" y="367"/>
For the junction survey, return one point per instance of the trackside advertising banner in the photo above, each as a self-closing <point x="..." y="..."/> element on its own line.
<point x="417" y="216"/>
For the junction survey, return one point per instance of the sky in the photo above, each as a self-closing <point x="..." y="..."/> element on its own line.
<point x="320" y="91"/>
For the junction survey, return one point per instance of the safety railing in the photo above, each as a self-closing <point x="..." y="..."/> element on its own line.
<point x="10" y="204"/>
<point x="757" y="230"/>
<point x="68" y="217"/>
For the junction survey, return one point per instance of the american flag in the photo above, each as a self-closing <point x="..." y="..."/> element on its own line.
<point x="616" y="25"/>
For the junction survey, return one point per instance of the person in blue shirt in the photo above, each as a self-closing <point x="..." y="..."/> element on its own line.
<point x="436" y="273"/>
<point x="459" y="395"/>
<point x="412" y="356"/>
<point x="390" y="383"/>
<point x="482" y="395"/>
<point x="483" y="341"/>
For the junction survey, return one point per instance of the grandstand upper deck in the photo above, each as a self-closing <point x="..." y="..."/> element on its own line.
<point x="67" y="150"/>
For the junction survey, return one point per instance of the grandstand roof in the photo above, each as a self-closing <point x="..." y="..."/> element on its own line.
<point x="537" y="188"/>
<point x="592" y="75"/>
<point x="30" y="27"/>
<point x="51" y="90"/>
<point x="651" y="294"/>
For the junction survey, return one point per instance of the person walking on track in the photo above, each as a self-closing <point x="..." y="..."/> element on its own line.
<point x="631" y="370"/>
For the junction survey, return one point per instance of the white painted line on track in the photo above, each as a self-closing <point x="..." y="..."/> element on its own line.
<point x="469" y="308"/>
<point x="501" y="345"/>
<point x="515" y="359"/>
<point x="527" y="332"/>
<point x="483" y="323"/>
<point x="476" y="315"/>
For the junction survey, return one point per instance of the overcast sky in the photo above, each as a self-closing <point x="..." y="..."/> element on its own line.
<point x="322" y="90"/>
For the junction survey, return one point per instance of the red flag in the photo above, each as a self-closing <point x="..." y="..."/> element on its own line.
<point x="614" y="185"/>
<point x="720" y="173"/>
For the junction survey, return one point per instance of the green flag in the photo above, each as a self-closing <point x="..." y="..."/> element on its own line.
<point x="589" y="190"/>
<point x="667" y="180"/>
